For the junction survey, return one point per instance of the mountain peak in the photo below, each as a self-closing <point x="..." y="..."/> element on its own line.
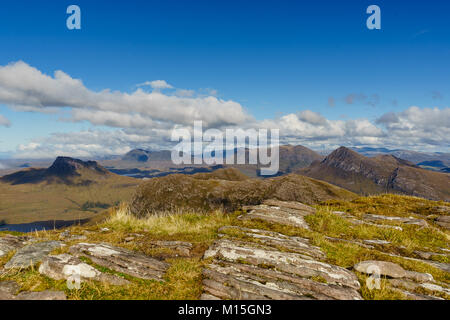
<point x="66" y="166"/>
<point x="342" y="155"/>
<point x="63" y="170"/>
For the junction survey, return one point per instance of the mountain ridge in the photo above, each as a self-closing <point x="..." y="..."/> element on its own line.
<point x="382" y="173"/>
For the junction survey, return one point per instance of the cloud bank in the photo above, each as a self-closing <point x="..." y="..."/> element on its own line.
<point x="146" y="119"/>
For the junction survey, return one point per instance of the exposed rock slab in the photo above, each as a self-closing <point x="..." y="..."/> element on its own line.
<point x="376" y="242"/>
<point x="121" y="260"/>
<point x="63" y="266"/>
<point x="390" y="269"/>
<point x="384" y="268"/>
<point x="405" y="220"/>
<point x="278" y="240"/>
<point x="31" y="254"/>
<point x="293" y="263"/>
<point x="9" y="243"/>
<point x="252" y="282"/>
<point x="385" y="226"/>
<point x="286" y="213"/>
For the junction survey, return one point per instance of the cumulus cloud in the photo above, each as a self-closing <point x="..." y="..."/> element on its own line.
<point x="312" y="129"/>
<point x="418" y="126"/>
<point x="156" y="84"/>
<point x="25" y="86"/>
<point x="4" y="121"/>
<point x="312" y="117"/>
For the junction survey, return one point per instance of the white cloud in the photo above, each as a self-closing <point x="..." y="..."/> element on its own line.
<point x="156" y="84"/>
<point x="312" y="117"/>
<point x="419" y="127"/>
<point x="25" y="86"/>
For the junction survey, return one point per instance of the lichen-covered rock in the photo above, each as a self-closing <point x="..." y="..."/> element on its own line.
<point x="121" y="260"/>
<point x="248" y="281"/>
<point x="64" y="266"/>
<point x="9" y="243"/>
<point x="31" y="254"/>
<point x="275" y="239"/>
<point x="419" y="276"/>
<point x="392" y="270"/>
<point x="292" y="263"/>
<point x="383" y="268"/>
<point x="405" y="220"/>
<point x="287" y="213"/>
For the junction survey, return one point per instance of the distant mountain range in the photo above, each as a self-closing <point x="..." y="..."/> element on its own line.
<point x="436" y="160"/>
<point x="291" y="159"/>
<point x="382" y="173"/>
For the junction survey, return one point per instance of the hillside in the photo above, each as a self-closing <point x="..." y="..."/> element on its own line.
<point x="210" y="191"/>
<point x="276" y="250"/>
<point x="379" y="174"/>
<point x="69" y="189"/>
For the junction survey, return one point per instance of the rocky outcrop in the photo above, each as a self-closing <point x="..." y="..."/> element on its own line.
<point x="65" y="266"/>
<point x="287" y="213"/>
<point x="405" y="220"/>
<point x="276" y="240"/>
<point x="259" y="264"/>
<point x="121" y="260"/>
<point x="403" y="281"/>
<point x="9" y="243"/>
<point x="31" y="254"/>
<point x="392" y="270"/>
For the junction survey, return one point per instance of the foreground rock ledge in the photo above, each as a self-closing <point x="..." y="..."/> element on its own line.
<point x="31" y="254"/>
<point x="121" y="260"/>
<point x="286" y="213"/>
<point x="260" y="264"/>
<point x="63" y="266"/>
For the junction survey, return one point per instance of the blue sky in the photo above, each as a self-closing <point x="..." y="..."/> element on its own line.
<point x="273" y="58"/>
